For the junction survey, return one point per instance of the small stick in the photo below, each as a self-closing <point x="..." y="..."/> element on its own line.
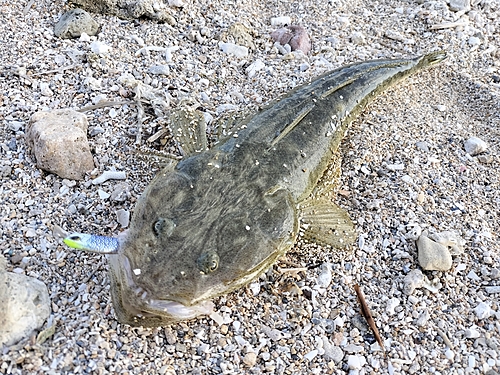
<point x="291" y="270"/>
<point x="58" y="70"/>
<point x="445" y="338"/>
<point x="103" y="105"/>
<point x="27" y="7"/>
<point x="448" y="25"/>
<point x="365" y="311"/>
<point x="140" y="120"/>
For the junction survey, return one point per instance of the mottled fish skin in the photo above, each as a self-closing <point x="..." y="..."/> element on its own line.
<point x="220" y="218"/>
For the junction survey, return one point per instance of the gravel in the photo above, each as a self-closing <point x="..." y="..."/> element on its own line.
<point x="404" y="167"/>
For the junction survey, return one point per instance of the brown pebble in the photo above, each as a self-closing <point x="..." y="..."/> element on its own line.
<point x="250" y="359"/>
<point x="294" y="35"/>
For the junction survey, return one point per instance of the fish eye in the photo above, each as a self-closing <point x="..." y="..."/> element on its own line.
<point x="163" y="226"/>
<point x="208" y="262"/>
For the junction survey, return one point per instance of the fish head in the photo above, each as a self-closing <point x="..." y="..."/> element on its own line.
<point x="194" y="239"/>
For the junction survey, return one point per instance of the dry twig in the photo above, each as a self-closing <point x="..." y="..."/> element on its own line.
<point x="368" y="316"/>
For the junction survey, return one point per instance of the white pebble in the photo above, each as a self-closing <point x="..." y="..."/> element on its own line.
<point x="303" y="67"/>
<point x="109" y="175"/>
<point x="483" y="310"/>
<point x="217" y="318"/>
<point x="472" y="361"/>
<point x="84" y="37"/>
<point x="103" y="194"/>
<point x="339" y="322"/>
<point x="475" y="145"/>
<point x="413" y="231"/>
<point x="461" y="267"/>
<point x="99" y="47"/>
<point x="310" y="356"/>
<point x="450" y="354"/>
<point x="325" y="276"/>
<point x="176" y="3"/>
<point x="280" y="21"/>
<point x="255" y="288"/>
<point x="343" y="21"/>
<point x="159" y="70"/>
<point x="433" y="255"/>
<point x="473" y="276"/>
<point x="395" y="167"/>
<point x="472" y="333"/>
<point x="474" y="41"/>
<point x="391" y="305"/>
<point x="407" y="179"/>
<point x="415" y="279"/>
<point x="204" y="97"/>
<point x="358" y="38"/>
<point x="412" y="354"/>
<point x="254" y="68"/>
<point x="423" y="318"/>
<point x="45" y="89"/>
<point x="168" y="53"/>
<point x="492" y="289"/>
<point x="250" y="359"/>
<point x="390" y="368"/>
<point x="355" y="362"/>
<point x="233" y="49"/>
<point x="236" y="325"/>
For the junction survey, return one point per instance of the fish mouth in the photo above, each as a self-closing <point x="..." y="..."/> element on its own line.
<point x="134" y="306"/>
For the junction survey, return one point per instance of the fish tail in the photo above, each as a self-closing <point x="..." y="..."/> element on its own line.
<point x="432" y="58"/>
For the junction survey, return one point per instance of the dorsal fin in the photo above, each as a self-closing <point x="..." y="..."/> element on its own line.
<point x="188" y="128"/>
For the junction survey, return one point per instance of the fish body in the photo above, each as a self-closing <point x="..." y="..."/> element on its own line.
<point x="220" y="217"/>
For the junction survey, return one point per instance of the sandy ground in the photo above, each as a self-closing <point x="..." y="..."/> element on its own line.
<point x="284" y="323"/>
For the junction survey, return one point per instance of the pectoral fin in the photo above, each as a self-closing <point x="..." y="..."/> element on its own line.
<point x="324" y="222"/>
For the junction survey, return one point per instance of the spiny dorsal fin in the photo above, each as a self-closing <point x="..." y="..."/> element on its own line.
<point x="324" y="222"/>
<point x="188" y="127"/>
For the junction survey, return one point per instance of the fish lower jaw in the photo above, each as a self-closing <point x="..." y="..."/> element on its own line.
<point x="177" y="311"/>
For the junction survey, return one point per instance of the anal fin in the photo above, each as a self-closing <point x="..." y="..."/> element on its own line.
<point x="324" y="222"/>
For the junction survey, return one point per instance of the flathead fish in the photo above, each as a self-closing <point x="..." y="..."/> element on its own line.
<point x="220" y="217"/>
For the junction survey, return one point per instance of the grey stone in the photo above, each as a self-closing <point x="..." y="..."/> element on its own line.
<point x="58" y="140"/>
<point x="433" y="256"/>
<point x="128" y="9"/>
<point x="332" y="352"/>
<point x="123" y="217"/>
<point x="25" y="305"/>
<point x="75" y="22"/>
<point x="485" y="159"/>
